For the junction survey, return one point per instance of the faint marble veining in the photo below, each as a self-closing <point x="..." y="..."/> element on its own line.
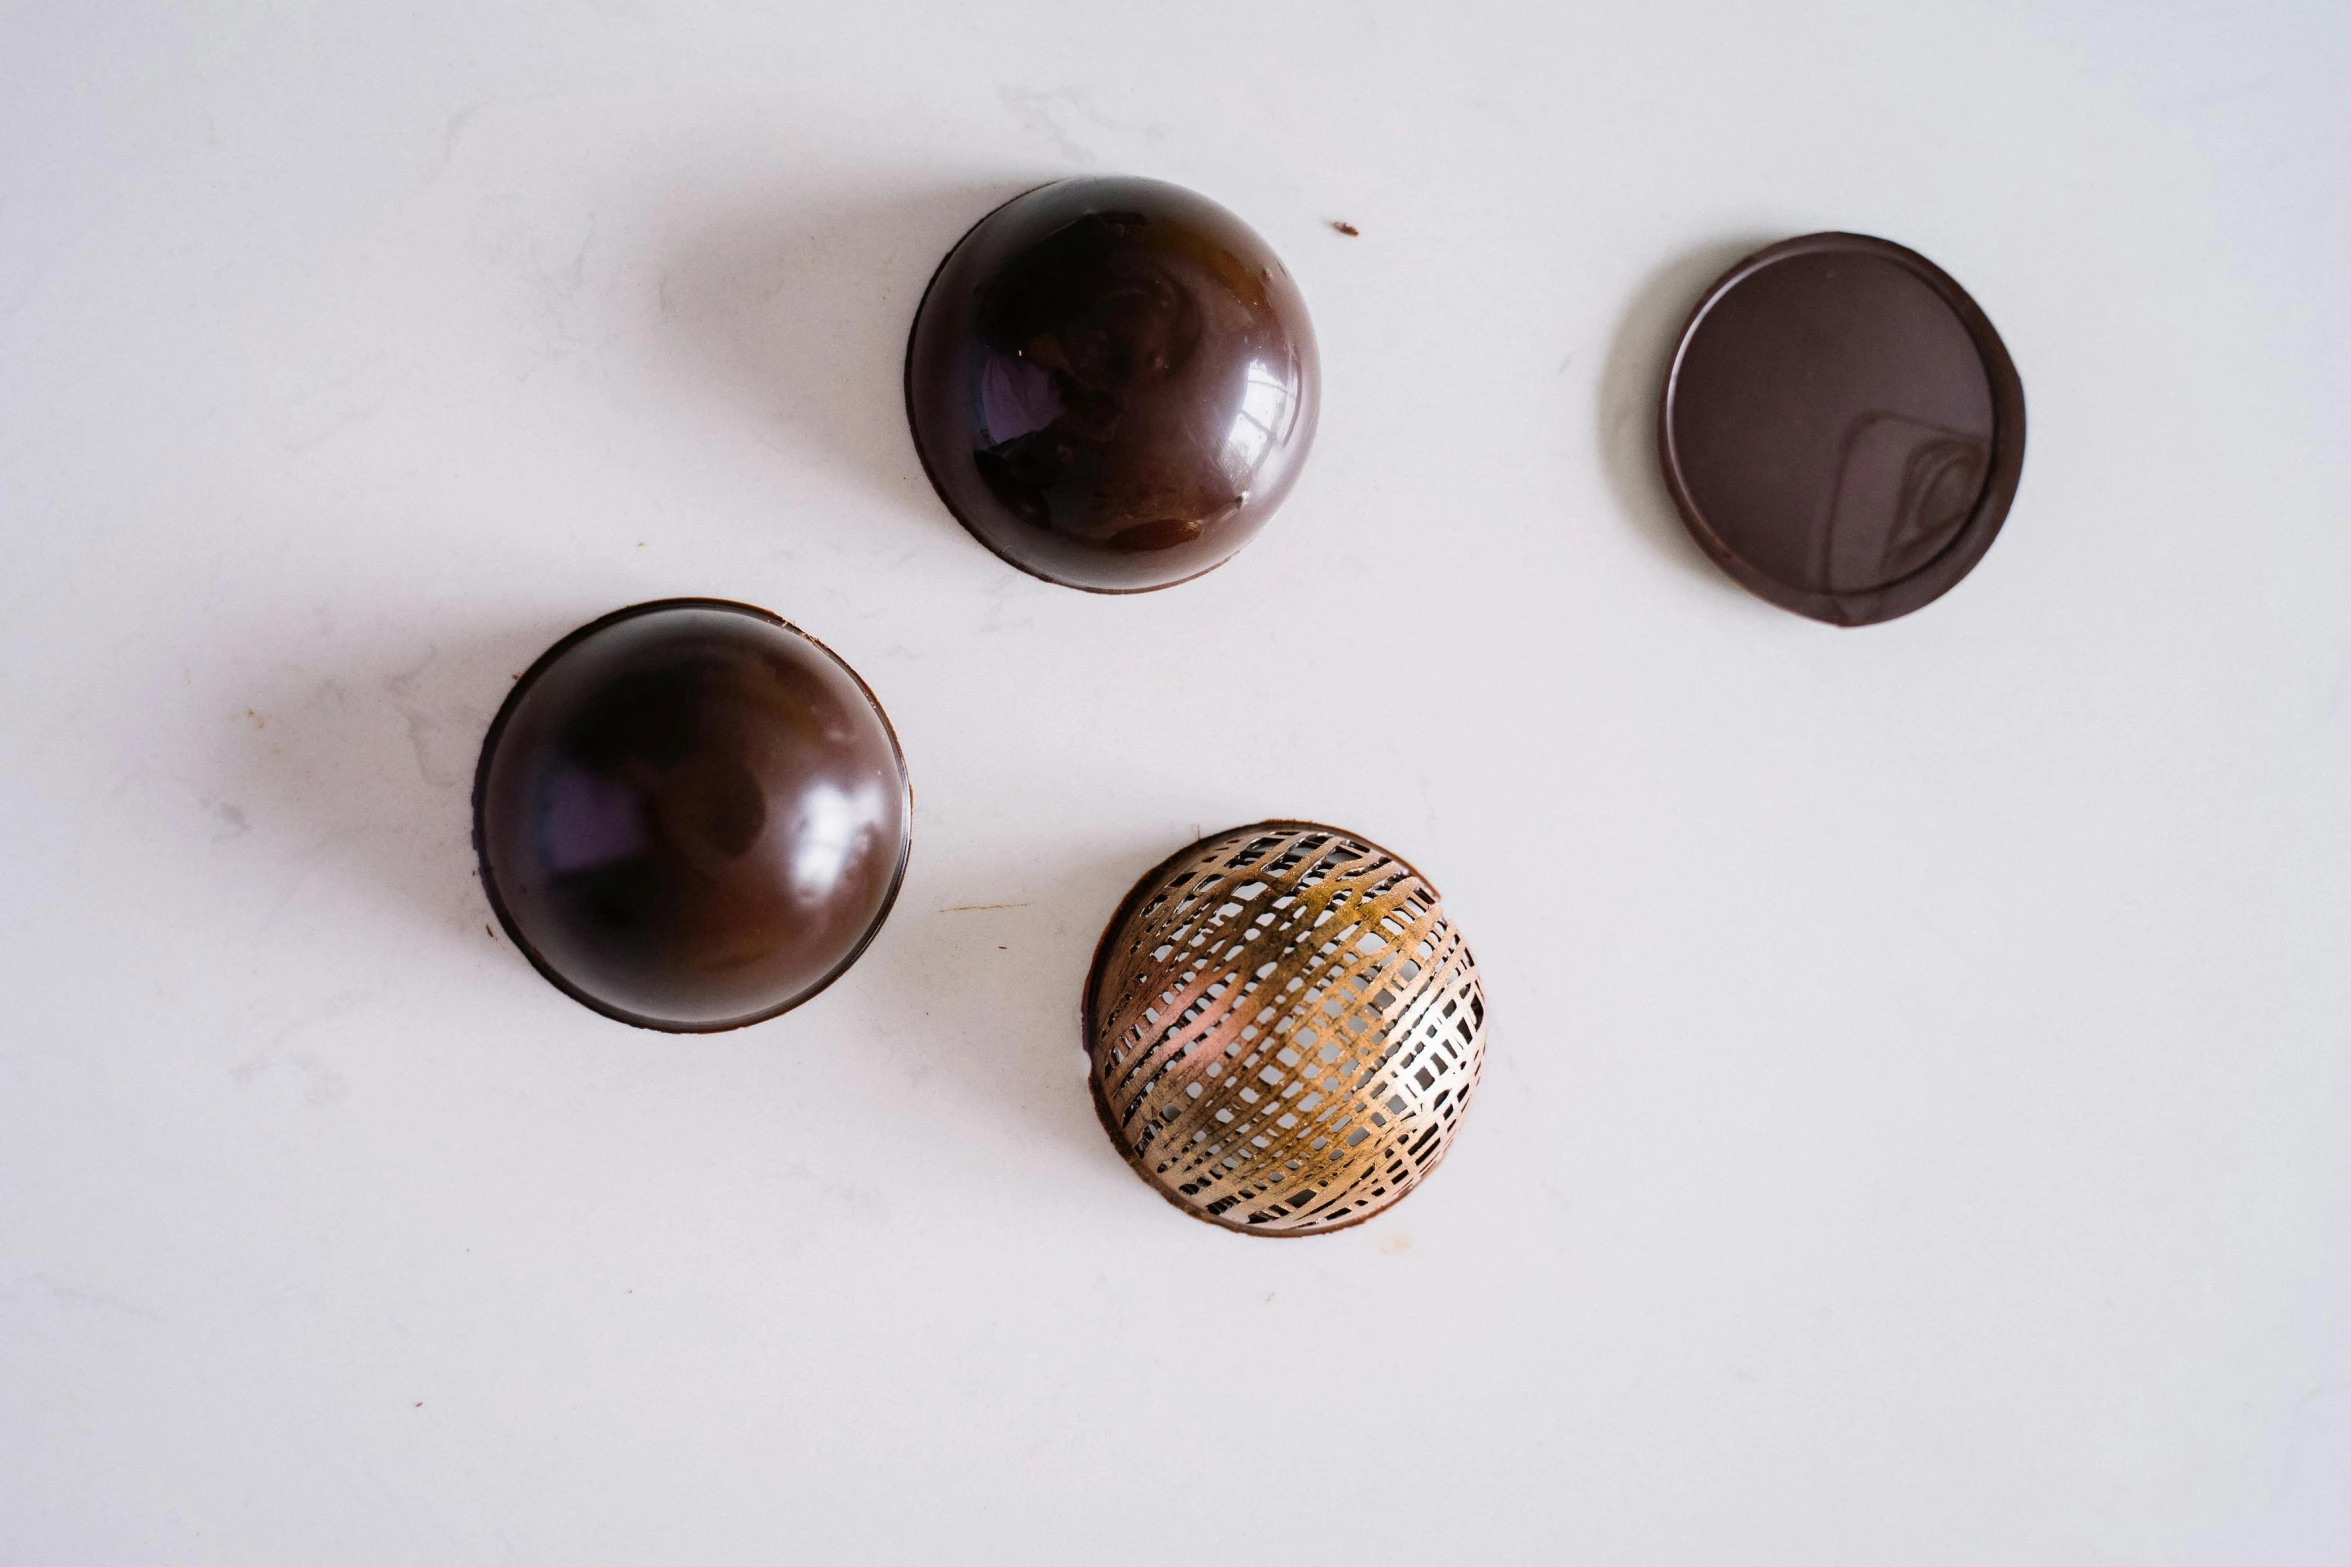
<point x="1044" y="114"/>
<point x="1060" y="115"/>
<point x="33" y="1290"/>
<point x="345" y="770"/>
<point x="444" y="728"/>
<point x="327" y="404"/>
<point x="450" y="132"/>
<point x="322" y="1084"/>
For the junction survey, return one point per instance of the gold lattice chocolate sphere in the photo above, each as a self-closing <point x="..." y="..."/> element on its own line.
<point x="1285" y="1029"/>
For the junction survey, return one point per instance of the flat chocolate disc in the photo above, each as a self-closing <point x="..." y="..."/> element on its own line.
<point x="1842" y="429"/>
<point x="691" y="816"/>
<point x="1112" y="383"/>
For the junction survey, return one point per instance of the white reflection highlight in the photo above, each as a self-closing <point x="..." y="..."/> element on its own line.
<point x="833" y="826"/>
<point x="1265" y="408"/>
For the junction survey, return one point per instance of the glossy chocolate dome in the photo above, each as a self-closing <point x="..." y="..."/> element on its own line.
<point x="1841" y="428"/>
<point x="1112" y="383"/>
<point x="691" y="816"/>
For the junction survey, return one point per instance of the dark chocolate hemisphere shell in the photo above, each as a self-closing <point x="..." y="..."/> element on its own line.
<point x="691" y="816"/>
<point x="1112" y="383"/>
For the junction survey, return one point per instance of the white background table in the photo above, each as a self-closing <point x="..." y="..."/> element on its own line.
<point x="1917" y="1126"/>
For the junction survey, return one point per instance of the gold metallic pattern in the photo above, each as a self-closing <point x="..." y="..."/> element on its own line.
<point x="1285" y="1029"/>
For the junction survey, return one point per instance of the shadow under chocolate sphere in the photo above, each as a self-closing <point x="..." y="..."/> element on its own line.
<point x="1112" y="383"/>
<point x="690" y="816"/>
<point x="785" y="308"/>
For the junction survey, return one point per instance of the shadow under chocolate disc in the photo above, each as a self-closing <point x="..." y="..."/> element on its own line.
<point x="1112" y="383"/>
<point x="691" y="816"/>
<point x="1841" y="428"/>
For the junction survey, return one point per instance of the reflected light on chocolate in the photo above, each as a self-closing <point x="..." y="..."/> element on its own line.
<point x="691" y="816"/>
<point x="1112" y="383"/>
<point x="1841" y="428"/>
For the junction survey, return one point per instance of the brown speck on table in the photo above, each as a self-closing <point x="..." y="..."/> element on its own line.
<point x="487" y="931"/>
<point x="1348" y="229"/>
<point x="420" y="1403"/>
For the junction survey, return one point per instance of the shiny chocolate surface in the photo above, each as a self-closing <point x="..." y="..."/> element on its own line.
<point x="1112" y="383"/>
<point x="691" y="816"/>
<point x="1841" y="428"/>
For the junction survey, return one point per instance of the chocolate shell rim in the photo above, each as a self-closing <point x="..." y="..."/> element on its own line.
<point x="1148" y="881"/>
<point x="1914" y="589"/>
<point x="481" y="783"/>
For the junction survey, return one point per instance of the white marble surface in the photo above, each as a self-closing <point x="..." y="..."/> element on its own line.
<point x="1918" y="1122"/>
